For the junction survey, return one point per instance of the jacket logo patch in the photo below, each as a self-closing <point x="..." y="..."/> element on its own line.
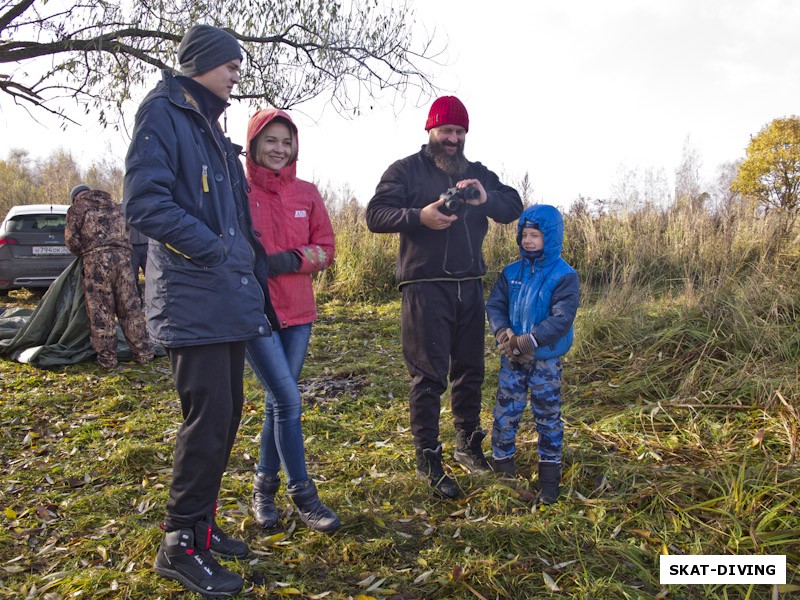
<point x="300" y="214"/>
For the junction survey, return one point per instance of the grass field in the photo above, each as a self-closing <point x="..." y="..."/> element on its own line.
<point x="680" y="439"/>
<point x="681" y="399"/>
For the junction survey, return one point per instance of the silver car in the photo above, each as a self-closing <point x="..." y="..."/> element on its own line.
<point x="32" y="250"/>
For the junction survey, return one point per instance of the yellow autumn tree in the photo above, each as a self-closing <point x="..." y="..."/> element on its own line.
<point x="770" y="174"/>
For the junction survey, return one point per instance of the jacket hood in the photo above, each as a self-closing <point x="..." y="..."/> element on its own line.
<point x="549" y="221"/>
<point x="257" y="122"/>
<point x="96" y="199"/>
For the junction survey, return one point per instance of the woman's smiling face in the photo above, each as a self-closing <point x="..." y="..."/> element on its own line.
<point x="275" y="146"/>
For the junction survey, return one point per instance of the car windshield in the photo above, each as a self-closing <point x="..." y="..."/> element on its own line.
<point x="50" y="223"/>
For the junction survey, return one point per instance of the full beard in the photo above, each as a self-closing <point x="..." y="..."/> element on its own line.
<point x="454" y="165"/>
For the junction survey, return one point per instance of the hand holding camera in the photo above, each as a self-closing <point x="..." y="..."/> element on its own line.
<point x="432" y="218"/>
<point x="437" y="216"/>
<point x="454" y="197"/>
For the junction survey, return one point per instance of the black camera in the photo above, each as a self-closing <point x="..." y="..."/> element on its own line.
<point x="455" y="196"/>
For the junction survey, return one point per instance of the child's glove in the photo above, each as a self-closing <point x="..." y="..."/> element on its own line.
<point x="503" y="340"/>
<point x="521" y="348"/>
<point x="502" y="336"/>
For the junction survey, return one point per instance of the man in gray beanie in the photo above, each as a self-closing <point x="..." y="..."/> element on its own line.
<point x="185" y="189"/>
<point x="205" y="47"/>
<point x="78" y="189"/>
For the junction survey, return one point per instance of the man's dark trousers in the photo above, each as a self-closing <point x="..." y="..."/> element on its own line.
<point x="443" y="333"/>
<point x="209" y="381"/>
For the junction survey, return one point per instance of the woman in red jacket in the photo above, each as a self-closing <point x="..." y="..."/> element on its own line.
<point x="294" y="228"/>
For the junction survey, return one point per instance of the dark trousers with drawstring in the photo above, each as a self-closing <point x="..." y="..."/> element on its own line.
<point x="442" y="330"/>
<point x="209" y="380"/>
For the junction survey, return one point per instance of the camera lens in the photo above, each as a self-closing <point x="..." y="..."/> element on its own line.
<point x="470" y="193"/>
<point x="451" y="204"/>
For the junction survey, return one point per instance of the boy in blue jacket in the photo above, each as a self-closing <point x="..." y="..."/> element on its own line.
<point x="531" y="311"/>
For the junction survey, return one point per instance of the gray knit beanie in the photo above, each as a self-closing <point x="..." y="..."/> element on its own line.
<point x="204" y="47"/>
<point x="81" y="187"/>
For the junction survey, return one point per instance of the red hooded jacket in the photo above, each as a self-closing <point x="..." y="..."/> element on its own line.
<point x="289" y="215"/>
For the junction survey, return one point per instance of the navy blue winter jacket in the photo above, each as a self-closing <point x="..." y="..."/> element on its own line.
<point x="538" y="296"/>
<point x="185" y="190"/>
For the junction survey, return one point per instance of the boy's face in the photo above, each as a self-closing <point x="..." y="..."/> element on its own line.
<point x="222" y="79"/>
<point x="532" y="239"/>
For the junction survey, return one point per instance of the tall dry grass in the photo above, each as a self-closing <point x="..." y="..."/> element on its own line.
<point x="682" y="437"/>
<point x="694" y="298"/>
<point x="678" y="248"/>
<point x="364" y="265"/>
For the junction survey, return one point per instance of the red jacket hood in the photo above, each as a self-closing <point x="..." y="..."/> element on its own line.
<point x="256" y="172"/>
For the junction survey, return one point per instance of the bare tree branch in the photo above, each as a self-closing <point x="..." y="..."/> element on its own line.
<point x="99" y="53"/>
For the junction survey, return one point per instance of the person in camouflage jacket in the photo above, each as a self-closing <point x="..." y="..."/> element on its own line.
<point x="96" y="231"/>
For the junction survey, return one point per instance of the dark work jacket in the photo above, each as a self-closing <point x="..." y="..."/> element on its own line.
<point x="185" y="190"/>
<point x="408" y="186"/>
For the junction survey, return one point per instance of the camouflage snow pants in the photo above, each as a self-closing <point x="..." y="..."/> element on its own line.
<point x="110" y="291"/>
<point x="543" y="379"/>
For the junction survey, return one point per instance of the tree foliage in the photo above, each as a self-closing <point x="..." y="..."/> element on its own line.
<point x="770" y="173"/>
<point x="24" y="180"/>
<point x="98" y="53"/>
<point x="55" y="176"/>
<point x="639" y="187"/>
<point x="16" y="181"/>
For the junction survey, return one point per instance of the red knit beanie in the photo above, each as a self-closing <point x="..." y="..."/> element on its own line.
<point x="447" y="110"/>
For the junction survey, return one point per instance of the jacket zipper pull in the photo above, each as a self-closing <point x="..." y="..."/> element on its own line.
<point x="205" y="178"/>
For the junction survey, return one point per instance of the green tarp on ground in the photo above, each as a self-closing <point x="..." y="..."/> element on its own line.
<point x="56" y="332"/>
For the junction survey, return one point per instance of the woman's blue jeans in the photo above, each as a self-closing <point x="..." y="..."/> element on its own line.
<point x="277" y="361"/>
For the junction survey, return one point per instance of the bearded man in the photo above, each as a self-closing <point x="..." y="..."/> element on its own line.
<point x="440" y="272"/>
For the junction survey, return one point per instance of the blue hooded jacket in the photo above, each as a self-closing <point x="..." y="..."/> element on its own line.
<point x="538" y="294"/>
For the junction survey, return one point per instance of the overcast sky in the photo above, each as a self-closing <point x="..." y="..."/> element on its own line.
<point x="569" y="91"/>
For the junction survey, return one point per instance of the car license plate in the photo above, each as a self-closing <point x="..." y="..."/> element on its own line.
<point x="49" y="250"/>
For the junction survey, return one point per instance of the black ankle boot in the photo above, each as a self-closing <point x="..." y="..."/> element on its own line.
<point x="224" y="545"/>
<point x="311" y="509"/>
<point x="184" y="556"/>
<point x="429" y="468"/>
<point x="549" y="480"/>
<point x="264" y="489"/>
<point x="469" y="453"/>
<point x="505" y="468"/>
